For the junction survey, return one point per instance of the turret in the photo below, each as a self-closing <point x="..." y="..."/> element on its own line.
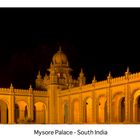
<point x="46" y="77"/>
<point x="94" y="79"/>
<point x="53" y="75"/>
<point x="11" y="87"/>
<point x="39" y="81"/>
<point x="59" y="74"/>
<point x="127" y="73"/>
<point x="109" y="77"/>
<point x="81" y="78"/>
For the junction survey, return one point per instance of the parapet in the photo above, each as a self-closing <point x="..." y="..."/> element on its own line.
<point x="21" y="91"/>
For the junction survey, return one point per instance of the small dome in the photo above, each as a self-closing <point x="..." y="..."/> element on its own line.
<point x="60" y="58"/>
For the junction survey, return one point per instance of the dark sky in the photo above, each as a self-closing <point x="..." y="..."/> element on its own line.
<point x="98" y="40"/>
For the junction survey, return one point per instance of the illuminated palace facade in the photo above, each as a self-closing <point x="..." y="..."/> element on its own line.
<point x="60" y="99"/>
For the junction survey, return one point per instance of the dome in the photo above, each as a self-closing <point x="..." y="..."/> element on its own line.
<point x="60" y="58"/>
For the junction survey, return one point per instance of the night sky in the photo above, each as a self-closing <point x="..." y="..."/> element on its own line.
<point x="98" y="40"/>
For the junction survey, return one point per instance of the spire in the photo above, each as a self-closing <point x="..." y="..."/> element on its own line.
<point x="60" y="49"/>
<point x="39" y="75"/>
<point x="94" y="79"/>
<point x="127" y="73"/>
<point x="81" y="70"/>
<point x="30" y="89"/>
<point x="30" y="86"/>
<point x="11" y="86"/>
<point x="81" y="73"/>
<point x="128" y="69"/>
<point x="81" y="78"/>
<point x="46" y="77"/>
<point x="109" y="76"/>
<point x="51" y="64"/>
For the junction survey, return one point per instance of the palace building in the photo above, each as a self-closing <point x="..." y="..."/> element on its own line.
<point x="60" y="99"/>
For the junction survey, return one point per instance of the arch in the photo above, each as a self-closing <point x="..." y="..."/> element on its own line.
<point x="3" y="112"/>
<point x="0" y="114"/>
<point x="26" y="112"/>
<point x="88" y="103"/>
<point x="138" y="109"/>
<point x="102" y="109"/>
<point x="135" y="93"/>
<point x="136" y="106"/>
<point x="118" y="107"/>
<point x="40" y="114"/>
<point x="20" y="111"/>
<point x="42" y="101"/>
<point x="75" y="111"/>
<point x="64" y="111"/>
<point x="122" y="109"/>
<point x="16" y="113"/>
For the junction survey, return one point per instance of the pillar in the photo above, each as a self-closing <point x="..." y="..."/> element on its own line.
<point x="81" y="112"/>
<point x="127" y="104"/>
<point x="94" y="101"/>
<point x="11" y="109"/>
<point x="94" y="107"/>
<point x="30" y="106"/>
<point x="127" y="97"/>
<point x="21" y="113"/>
<point x="53" y="91"/>
<point x="108" y="96"/>
<point x="70" y="110"/>
<point x="135" y="106"/>
<point x="69" y="117"/>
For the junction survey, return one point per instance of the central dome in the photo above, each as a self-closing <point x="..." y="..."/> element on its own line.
<point x="60" y="58"/>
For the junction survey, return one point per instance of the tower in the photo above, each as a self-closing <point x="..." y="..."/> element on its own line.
<point x="59" y="78"/>
<point x="60" y="70"/>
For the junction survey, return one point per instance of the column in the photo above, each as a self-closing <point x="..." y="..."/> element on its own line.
<point x="127" y="97"/>
<point x="134" y="112"/>
<point x="81" y="113"/>
<point x="94" y="101"/>
<point x="11" y="109"/>
<point x="94" y="107"/>
<point x="21" y="113"/>
<point x="108" y="96"/>
<point x="70" y="111"/>
<point x="30" y="107"/>
<point x="127" y="103"/>
<point x="53" y="91"/>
